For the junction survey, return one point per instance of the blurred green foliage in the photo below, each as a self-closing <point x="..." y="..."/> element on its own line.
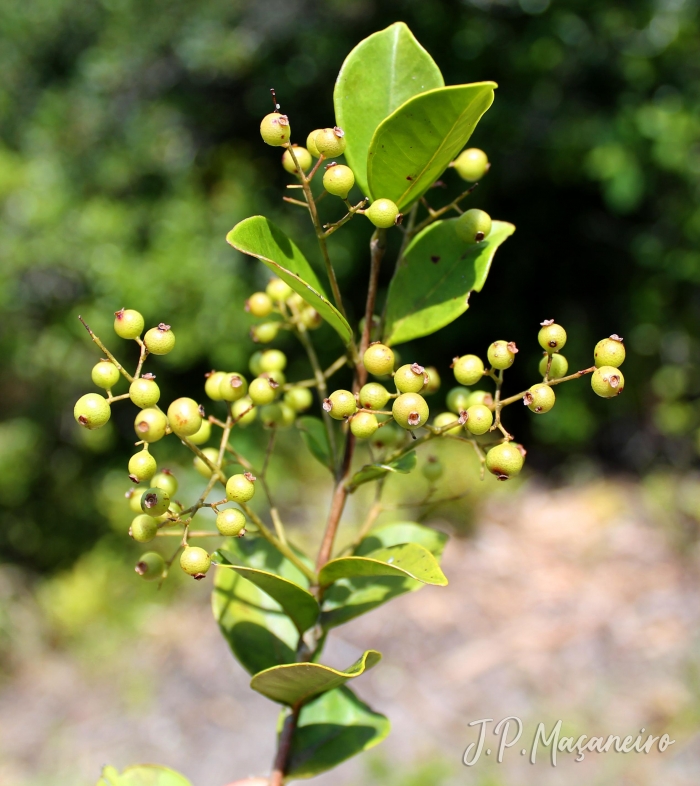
<point x="129" y="146"/>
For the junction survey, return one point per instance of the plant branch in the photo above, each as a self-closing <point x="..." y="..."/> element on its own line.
<point x="435" y="214"/>
<point x="550" y="382"/>
<point x="377" y="250"/>
<point x="284" y="746"/>
<point x="99" y="343"/>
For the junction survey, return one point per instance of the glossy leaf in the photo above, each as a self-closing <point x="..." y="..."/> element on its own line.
<point x="298" y="682"/>
<point x="414" y="145"/>
<point x="331" y="729"/>
<point x="142" y="775"/>
<point x="433" y="282"/>
<point x="313" y="432"/>
<point x="381" y="73"/>
<point x="371" y="472"/>
<point x="397" y="533"/>
<point x="259" y="237"/>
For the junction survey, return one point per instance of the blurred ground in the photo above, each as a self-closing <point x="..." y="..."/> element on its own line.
<point x="575" y="604"/>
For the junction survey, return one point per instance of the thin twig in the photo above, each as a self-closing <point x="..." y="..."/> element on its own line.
<point x="99" y="343"/>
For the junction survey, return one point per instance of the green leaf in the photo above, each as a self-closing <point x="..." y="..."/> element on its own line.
<point x="414" y="145"/>
<point x="380" y="73"/>
<point x="331" y="729"/>
<point x="142" y="775"/>
<point x="403" y="532"/>
<point x="435" y="277"/>
<point x="371" y="472"/>
<point x="259" y="237"/>
<point x="313" y="432"/>
<point x="296" y="683"/>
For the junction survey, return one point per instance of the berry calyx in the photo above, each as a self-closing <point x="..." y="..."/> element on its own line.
<point x="231" y="523"/>
<point x="501" y="354"/>
<point x="302" y="156"/>
<point x="340" y="404"/>
<point x="479" y="419"/>
<point x="607" y="381"/>
<point x="185" y="417"/>
<point x="433" y="469"/>
<point x="330" y="142"/>
<point x="143" y="528"/>
<point x="609" y="352"/>
<point x="244" y="412"/>
<point x="259" y="304"/>
<point x="92" y="411"/>
<point x="144" y="392"/>
<point x="434" y="381"/>
<point x="471" y="164"/>
<point x="539" y="399"/>
<point x="150" y="566"/>
<point x="311" y="143"/>
<point x="410" y="410"/>
<point x="159" y="340"/>
<point x="155" y="501"/>
<point x="552" y="337"/>
<point x="142" y="466"/>
<point x="378" y="359"/>
<point x="240" y="488"/>
<point x="105" y="374"/>
<point x="558" y="367"/>
<point x="150" y="424"/>
<point x="473" y="226"/>
<point x="338" y="180"/>
<point x="195" y="562"/>
<point x="202" y="466"/>
<point x="299" y="399"/>
<point x="374" y="396"/>
<point x="383" y="213"/>
<point x="505" y="460"/>
<point x="128" y="323"/>
<point x="167" y="481"/>
<point x="265" y="333"/>
<point x="274" y="129"/>
<point x="202" y="436"/>
<point x="262" y="390"/>
<point x="278" y="290"/>
<point x="232" y="386"/>
<point x="363" y="424"/>
<point x="444" y="419"/>
<point x="468" y="369"/>
<point x="457" y="399"/>
<point x="410" y="378"/>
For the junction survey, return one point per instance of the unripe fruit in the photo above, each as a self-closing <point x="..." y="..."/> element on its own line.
<point x="254" y="363"/>
<point x="433" y="469"/>
<point x="457" y="400"/>
<point x="434" y="381"/>
<point x="155" y="501"/>
<point x="302" y="156"/>
<point x="387" y="436"/>
<point x="410" y="411"/>
<point x="552" y="337"/>
<point x="274" y="129"/>
<point x="310" y="318"/>
<point x="383" y="213"/>
<point x="150" y="566"/>
<point x="468" y="369"/>
<point x="92" y="411"/>
<point x="142" y="466"/>
<point x="202" y="436"/>
<point x="379" y="360"/>
<point x="444" y="419"/>
<point x="340" y="404"/>
<point x="240" y="488"/>
<point x="233" y="386"/>
<point x="299" y="399"/>
<point x="105" y="374"/>
<point x="505" y="460"/>
<point x="262" y="391"/>
<point x="607" y="382"/>
<point x="410" y="378"/>
<point x="171" y="515"/>
<point x="471" y="164"/>
<point x="265" y="333"/>
<point x="134" y="498"/>
<point x="501" y="354"/>
<point x="201" y="466"/>
<point x="311" y="143"/>
<point x="143" y="528"/>
<point x="479" y="419"/>
<point x="244" y="412"/>
<point x="144" y="392"/>
<point x="150" y="425"/>
<point x="128" y="323"/>
<point x="185" y="417"/>
<point x="558" y="368"/>
<point x="363" y="424"/>
<point x="167" y="481"/>
<point x="273" y="360"/>
<point x="374" y="396"/>
<point x="479" y="397"/>
<point x="473" y="226"/>
<point x="609" y="352"/>
<point x="159" y="340"/>
<point x="338" y="180"/>
<point x="231" y="522"/>
<point x="539" y="399"/>
<point x="259" y="304"/>
<point x="278" y="290"/>
<point x="277" y="416"/>
<point x="275" y="376"/>
<point x="212" y="380"/>
<point x="195" y="562"/>
<point x="330" y="142"/>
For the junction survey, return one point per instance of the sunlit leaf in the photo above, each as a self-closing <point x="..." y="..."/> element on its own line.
<point x="397" y="533"/>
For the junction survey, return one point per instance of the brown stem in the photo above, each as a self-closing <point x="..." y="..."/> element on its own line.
<point x="378" y="249"/>
<point x="284" y="746"/>
<point x="550" y="382"/>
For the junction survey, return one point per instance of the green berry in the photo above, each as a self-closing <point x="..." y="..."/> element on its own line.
<point x="277" y="416"/>
<point x="433" y="384"/>
<point x="378" y="359"/>
<point x="433" y="469"/>
<point x="244" y="412"/>
<point x="363" y="424"/>
<point x="254" y="364"/>
<point x="311" y="143"/>
<point x="410" y="410"/>
<point x="150" y="566"/>
<point x="471" y="164"/>
<point x="262" y="390"/>
<point x="473" y="226"/>
<point x="259" y="304"/>
<point x="552" y="337"/>
<point x="142" y="466"/>
<point x="231" y="522"/>
<point x="155" y="501"/>
<point x="185" y="417"/>
<point x="233" y="386"/>
<point x="278" y="290"/>
<point x="501" y="354"/>
<point x="298" y="399"/>
<point x="330" y="142"/>
<point x="92" y="411"/>
<point x="105" y="374"/>
<point x="557" y="369"/>
<point x="265" y="332"/>
<point x="310" y="318"/>
<point x="609" y="352"/>
<point x="171" y="515"/>
<point x="167" y="481"/>
<point x="202" y="436"/>
<point x="410" y="378"/>
<point x="212" y="380"/>
<point x="444" y="419"/>
<point x="479" y="419"/>
<point x="374" y="396"/>
<point x="387" y="436"/>
<point x="274" y="129"/>
<point x="195" y="562"/>
<point x="479" y="397"/>
<point x="134" y="498"/>
<point x="505" y="460"/>
<point x="302" y="156"/>
<point x="468" y="369"/>
<point x="539" y="399"/>
<point x="144" y="392"/>
<point x="201" y="466"/>
<point x="273" y="360"/>
<point x="457" y="399"/>
<point x="150" y="424"/>
<point x="159" y="340"/>
<point x="607" y="381"/>
<point x="383" y="213"/>
<point x="338" y="180"/>
<point x="340" y="404"/>
<point x="128" y="323"/>
<point x="143" y="528"/>
<point x="240" y="488"/>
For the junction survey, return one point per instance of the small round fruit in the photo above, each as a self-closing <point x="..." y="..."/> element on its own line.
<point x="273" y="360"/>
<point x="92" y="411"/>
<point x="539" y="399"/>
<point x="374" y="396"/>
<point x="144" y="392"/>
<point x="382" y="213"/>
<point x="240" y="488"/>
<point x="310" y="318"/>
<point x="311" y="143"/>
<point x="195" y="562"/>
<point x="363" y="424"/>
<point x="244" y="412"/>
<point x="433" y="469"/>
<point x="505" y="460"/>
<point x="143" y="528"/>
<point x="444" y="419"/>
<point x="233" y="386"/>
<point x="277" y="416"/>
<point x="134" y="498"/>
<point x="299" y="399"/>
<point x="159" y="340"/>
<point x="330" y="142"/>
<point x="479" y="397"/>
<point x="552" y="337"/>
<point x="274" y="129"/>
<point x="433" y="384"/>
<point x="201" y="466"/>
<point x="212" y="380"/>
<point x="202" y="436"/>
<point x="105" y="374"/>
<point x="471" y="164"/>
<point x="609" y="352"/>
<point x="171" y="515"/>
<point x="184" y="416"/>
<point x="254" y="363"/>
<point x="278" y="290"/>
<point x="379" y="359"/>
<point x="340" y="404"/>
<point x="167" y="481"/>
<point x="265" y="332"/>
<point x="128" y="323"/>
<point x="155" y="501"/>
<point x="338" y="180"/>
<point x="259" y="304"/>
<point x="473" y="226"/>
<point x="501" y="354"/>
<point x="302" y="156"/>
<point x="457" y="400"/>
<point x="479" y="419"/>
<point x="142" y="466"/>
<point x="607" y="382"/>
<point x="410" y="410"/>
<point x="388" y="436"/>
<point x="231" y="522"/>
<point x="468" y="369"/>
<point x="150" y="566"/>
<point x="410" y="378"/>
<point x="558" y="368"/>
<point x="262" y="391"/>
